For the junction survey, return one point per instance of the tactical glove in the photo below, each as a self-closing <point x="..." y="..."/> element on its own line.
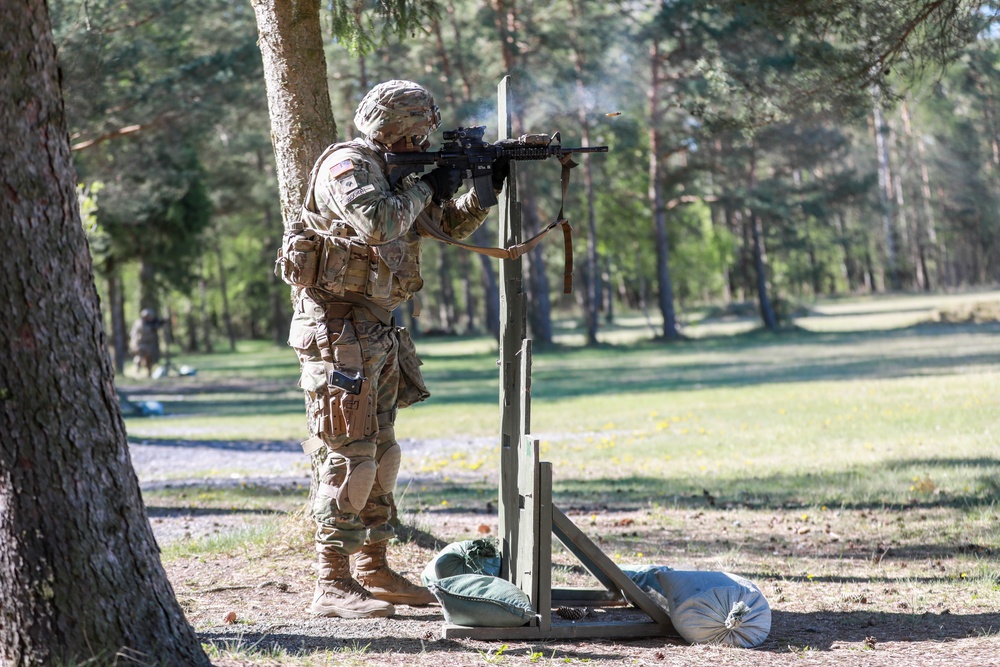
<point x="501" y="170"/>
<point x="444" y="181"/>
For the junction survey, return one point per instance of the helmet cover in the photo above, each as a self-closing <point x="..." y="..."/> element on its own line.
<point x="396" y="109"/>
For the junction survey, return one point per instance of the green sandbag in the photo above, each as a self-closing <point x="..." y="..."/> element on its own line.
<point x="468" y="557"/>
<point x="479" y="600"/>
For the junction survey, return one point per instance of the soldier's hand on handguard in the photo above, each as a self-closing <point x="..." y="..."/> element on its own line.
<point x="501" y="171"/>
<point x="445" y="181"/>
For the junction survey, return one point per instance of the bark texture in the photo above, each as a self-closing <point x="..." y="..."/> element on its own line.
<point x="298" y="96"/>
<point x="80" y="577"/>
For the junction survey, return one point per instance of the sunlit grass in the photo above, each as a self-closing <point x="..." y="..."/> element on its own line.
<point x="846" y="416"/>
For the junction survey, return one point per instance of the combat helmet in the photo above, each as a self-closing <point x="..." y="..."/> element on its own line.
<point x="396" y="109"/>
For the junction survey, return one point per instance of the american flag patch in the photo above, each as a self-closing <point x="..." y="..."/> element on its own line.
<point x="341" y="168"/>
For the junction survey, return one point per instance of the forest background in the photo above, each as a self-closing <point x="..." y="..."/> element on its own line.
<point x="751" y="165"/>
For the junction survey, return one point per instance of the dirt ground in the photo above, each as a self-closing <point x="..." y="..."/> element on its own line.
<point x="858" y="587"/>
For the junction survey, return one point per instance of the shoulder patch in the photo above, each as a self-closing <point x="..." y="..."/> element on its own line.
<point x="341" y="168"/>
<point x="351" y="196"/>
<point x="347" y="183"/>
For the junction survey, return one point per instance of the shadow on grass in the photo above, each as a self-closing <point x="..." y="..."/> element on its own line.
<point x="820" y="630"/>
<point x="755" y="359"/>
<point x="290" y="446"/>
<point x="791" y="632"/>
<point x="849" y="488"/>
<point x="156" y="512"/>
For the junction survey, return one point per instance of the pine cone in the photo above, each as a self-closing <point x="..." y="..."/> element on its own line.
<point x="572" y="613"/>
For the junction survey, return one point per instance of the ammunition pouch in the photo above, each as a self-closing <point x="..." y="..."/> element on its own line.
<point x="412" y="388"/>
<point x="334" y="261"/>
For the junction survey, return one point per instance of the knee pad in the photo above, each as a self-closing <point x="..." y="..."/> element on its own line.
<point x="388" y="457"/>
<point x="348" y="478"/>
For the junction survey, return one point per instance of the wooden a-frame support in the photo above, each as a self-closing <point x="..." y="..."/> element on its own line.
<point x="528" y="519"/>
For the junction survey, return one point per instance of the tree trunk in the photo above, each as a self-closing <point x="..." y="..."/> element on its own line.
<point x="206" y="325"/>
<point x="119" y="331"/>
<point x="539" y="304"/>
<point x="760" y="256"/>
<point x="656" y="200"/>
<point x="491" y="290"/>
<point x="885" y="198"/>
<point x="80" y="577"/>
<point x="592" y="302"/>
<point x="907" y="248"/>
<point x="845" y="247"/>
<point x="149" y="296"/>
<point x="227" y="317"/>
<point x="446" y="290"/>
<point x="539" y="311"/>
<point x="298" y="97"/>
<point x="468" y="294"/>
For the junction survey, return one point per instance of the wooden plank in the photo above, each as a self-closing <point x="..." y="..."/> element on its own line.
<point x="581" y="545"/>
<point x="525" y="566"/>
<point x="512" y="332"/>
<point x="525" y="574"/>
<point x="567" y="630"/>
<point x="586" y="597"/>
<point x="543" y="605"/>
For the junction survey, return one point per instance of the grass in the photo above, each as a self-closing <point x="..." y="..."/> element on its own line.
<point x="850" y="466"/>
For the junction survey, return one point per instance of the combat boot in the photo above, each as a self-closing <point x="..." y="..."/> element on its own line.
<point x="339" y="595"/>
<point x="374" y="573"/>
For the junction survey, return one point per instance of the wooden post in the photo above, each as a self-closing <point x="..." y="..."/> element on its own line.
<point x="528" y="519"/>
<point x="512" y="333"/>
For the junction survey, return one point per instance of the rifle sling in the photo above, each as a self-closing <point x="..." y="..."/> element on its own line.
<point x="517" y="250"/>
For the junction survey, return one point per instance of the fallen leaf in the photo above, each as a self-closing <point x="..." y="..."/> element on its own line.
<point x="230" y="618"/>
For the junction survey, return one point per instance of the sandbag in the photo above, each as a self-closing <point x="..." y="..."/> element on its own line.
<point x="646" y="577"/>
<point x="467" y="557"/>
<point x="716" y="608"/>
<point x="479" y="600"/>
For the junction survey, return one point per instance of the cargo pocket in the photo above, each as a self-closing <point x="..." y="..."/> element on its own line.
<point x="302" y="332"/>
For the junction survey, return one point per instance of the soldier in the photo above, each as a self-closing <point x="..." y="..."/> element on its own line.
<point x="358" y="368"/>
<point x="144" y="342"/>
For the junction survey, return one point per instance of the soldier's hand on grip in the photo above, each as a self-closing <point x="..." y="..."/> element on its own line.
<point x="445" y="181"/>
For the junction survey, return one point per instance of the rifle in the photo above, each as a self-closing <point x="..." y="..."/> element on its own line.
<point x="465" y="149"/>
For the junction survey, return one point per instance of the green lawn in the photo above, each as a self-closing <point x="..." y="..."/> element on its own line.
<point x="850" y="466"/>
<point x="836" y="417"/>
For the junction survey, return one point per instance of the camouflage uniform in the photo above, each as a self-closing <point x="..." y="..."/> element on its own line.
<point x="356" y="470"/>
<point x="361" y="342"/>
<point x="144" y="342"/>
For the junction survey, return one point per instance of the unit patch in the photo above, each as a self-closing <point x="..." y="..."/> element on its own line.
<point x="351" y="196"/>
<point x="341" y="168"/>
<point x="347" y="183"/>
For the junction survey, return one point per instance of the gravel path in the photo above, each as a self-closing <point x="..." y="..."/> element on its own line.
<point x="175" y="463"/>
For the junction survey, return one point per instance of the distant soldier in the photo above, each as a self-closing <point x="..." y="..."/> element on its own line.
<point x="144" y="342"/>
